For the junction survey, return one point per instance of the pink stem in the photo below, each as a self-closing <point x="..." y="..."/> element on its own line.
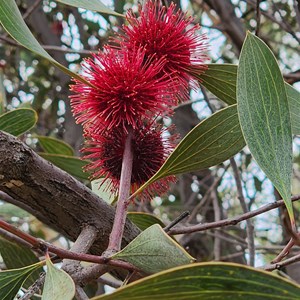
<point x="62" y="253"/>
<point x="116" y="235"/>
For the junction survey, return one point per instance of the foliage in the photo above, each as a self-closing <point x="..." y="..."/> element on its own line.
<point x="261" y="113"/>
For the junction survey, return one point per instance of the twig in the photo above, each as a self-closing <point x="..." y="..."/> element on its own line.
<point x="90" y="273"/>
<point x="50" y="47"/>
<point x="232" y="221"/>
<point x="283" y="263"/>
<point x="296" y="5"/>
<point x="284" y="252"/>
<point x="203" y="200"/>
<point x="24" y="236"/>
<point x="82" y="244"/>
<point x="257" y="17"/>
<point x="115" y="238"/>
<point x="249" y="228"/>
<point x="12" y="238"/>
<point x="80" y="293"/>
<point x="274" y="20"/>
<point x="62" y="253"/>
<point x="217" y="216"/>
<point x="177" y="220"/>
<point x="31" y="9"/>
<point x="109" y="282"/>
<point x="34" y="287"/>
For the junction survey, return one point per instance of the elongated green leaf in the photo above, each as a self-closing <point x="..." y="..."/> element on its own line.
<point x="220" y="79"/>
<point x="153" y="251"/>
<point x="72" y="165"/>
<point x="58" y="284"/>
<point x="55" y="146"/>
<point x="18" y="121"/>
<point x="294" y="107"/>
<point x="208" y="281"/>
<point x="16" y="256"/>
<point x="12" y="280"/>
<point x="211" y="142"/>
<point x="144" y="220"/>
<point x="95" y="5"/>
<point x="264" y="114"/>
<point x="12" y="21"/>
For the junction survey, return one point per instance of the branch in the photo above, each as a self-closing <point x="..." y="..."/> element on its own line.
<point x="83" y="243"/>
<point x="40" y="245"/>
<point x="37" y="285"/>
<point x="49" y="47"/>
<point x="231" y="221"/>
<point x="250" y="227"/>
<point x="53" y="196"/>
<point x="282" y="263"/>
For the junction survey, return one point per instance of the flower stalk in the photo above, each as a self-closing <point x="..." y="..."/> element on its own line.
<point x="116" y="235"/>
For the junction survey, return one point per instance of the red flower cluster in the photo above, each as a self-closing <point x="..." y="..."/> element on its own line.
<point x="127" y="89"/>
<point x="139" y="78"/>
<point x="149" y="147"/>
<point x="169" y="34"/>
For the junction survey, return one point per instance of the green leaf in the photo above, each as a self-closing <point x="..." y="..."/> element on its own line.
<point x="12" y="21"/>
<point x="211" y="142"/>
<point x="144" y="220"/>
<point x="264" y="114"/>
<point x="220" y="79"/>
<point x="55" y="146"/>
<point x="208" y="281"/>
<point x="294" y="107"/>
<point x="101" y="189"/>
<point x="94" y="5"/>
<point x="17" y="256"/>
<point x="58" y="284"/>
<point x="12" y="280"/>
<point x="72" y="165"/>
<point x="18" y="121"/>
<point x="153" y="251"/>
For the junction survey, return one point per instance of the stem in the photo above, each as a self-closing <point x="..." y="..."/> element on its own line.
<point x="37" y="285"/>
<point x="83" y="243"/>
<point x="281" y="264"/>
<point x="41" y="245"/>
<point x="231" y="221"/>
<point x="250" y="227"/>
<point x="115" y="238"/>
<point x="24" y="236"/>
<point x="284" y="252"/>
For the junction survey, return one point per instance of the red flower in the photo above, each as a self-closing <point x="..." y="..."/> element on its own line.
<point x="170" y="34"/>
<point x="126" y="89"/>
<point x="150" y="150"/>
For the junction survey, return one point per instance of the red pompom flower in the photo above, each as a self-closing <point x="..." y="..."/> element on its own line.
<point x="126" y="89"/>
<point x="169" y="34"/>
<point x="150" y="149"/>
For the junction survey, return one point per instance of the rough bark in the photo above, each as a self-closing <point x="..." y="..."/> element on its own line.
<point x="53" y="196"/>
